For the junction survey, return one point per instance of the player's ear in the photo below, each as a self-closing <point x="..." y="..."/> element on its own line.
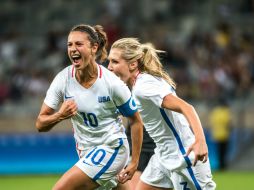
<point x="133" y="65"/>
<point x="95" y="48"/>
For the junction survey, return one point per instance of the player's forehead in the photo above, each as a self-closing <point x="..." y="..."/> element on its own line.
<point x="77" y="36"/>
<point x="115" y="53"/>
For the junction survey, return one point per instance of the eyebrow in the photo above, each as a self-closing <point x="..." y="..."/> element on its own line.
<point x="79" y="41"/>
<point x="113" y="59"/>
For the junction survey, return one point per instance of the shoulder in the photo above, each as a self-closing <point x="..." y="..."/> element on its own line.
<point x="148" y="85"/>
<point x="107" y="73"/>
<point x="110" y="77"/>
<point x="146" y="81"/>
<point x="61" y="79"/>
<point x="66" y="72"/>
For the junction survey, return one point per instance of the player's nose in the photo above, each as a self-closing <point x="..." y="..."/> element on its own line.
<point x="110" y="67"/>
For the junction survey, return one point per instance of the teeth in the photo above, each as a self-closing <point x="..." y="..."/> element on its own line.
<point x="75" y="56"/>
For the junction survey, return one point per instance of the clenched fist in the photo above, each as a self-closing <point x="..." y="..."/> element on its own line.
<point x="68" y="109"/>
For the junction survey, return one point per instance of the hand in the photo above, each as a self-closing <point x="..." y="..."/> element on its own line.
<point x="127" y="173"/>
<point x="200" y="150"/>
<point x="68" y="109"/>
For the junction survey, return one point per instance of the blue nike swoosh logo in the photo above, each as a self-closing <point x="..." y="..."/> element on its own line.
<point x="67" y="97"/>
<point x="86" y="163"/>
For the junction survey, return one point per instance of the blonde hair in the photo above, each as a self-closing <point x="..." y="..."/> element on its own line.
<point x="146" y="56"/>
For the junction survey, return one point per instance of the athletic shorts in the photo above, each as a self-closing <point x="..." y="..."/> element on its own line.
<point x="102" y="163"/>
<point x="192" y="178"/>
<point x="144" y="160"/>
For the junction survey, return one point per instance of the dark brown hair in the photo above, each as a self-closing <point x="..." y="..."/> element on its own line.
<point x="96" y="35"/>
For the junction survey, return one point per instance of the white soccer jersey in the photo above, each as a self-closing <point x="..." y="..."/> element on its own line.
<point x="97" y="120"/>
<point x="169" y="130"/>
<point x="168" y="167"/>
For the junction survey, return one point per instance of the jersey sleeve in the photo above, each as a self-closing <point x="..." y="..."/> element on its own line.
<point x="123" y="99"/>
<point x="55" y="92"/>
<point x="154" y="89"/>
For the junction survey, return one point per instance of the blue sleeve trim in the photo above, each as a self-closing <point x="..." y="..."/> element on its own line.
<point x="129" y="108"/>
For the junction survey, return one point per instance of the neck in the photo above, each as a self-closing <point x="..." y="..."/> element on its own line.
<point x="88" y="74"/>
<point x="131" y="82"/>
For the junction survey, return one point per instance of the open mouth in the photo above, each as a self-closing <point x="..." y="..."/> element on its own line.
<point x="76" y="59"/>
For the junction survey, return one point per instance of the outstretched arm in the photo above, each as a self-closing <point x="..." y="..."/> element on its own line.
<point x="48" y="118"/>
<point x="199" y="147"/>
<point x="137" y="139"/>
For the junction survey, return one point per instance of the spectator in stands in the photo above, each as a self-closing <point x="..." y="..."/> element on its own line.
<point x="220" y="122"/>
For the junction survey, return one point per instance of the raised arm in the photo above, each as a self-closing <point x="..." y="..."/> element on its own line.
<point x="48" y="118"/>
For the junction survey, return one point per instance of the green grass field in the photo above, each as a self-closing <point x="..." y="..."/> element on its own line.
<point x="234" y="180"/>
<point x="224" y="180"/>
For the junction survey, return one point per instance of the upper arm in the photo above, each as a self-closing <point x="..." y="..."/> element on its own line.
<point x="128" y="108"/>
<point x="174" y="103"/>
<point x="120" y="92"/>
<point x="154" y="90"/>
<point x="135" y="118"/>
<point x="46" y="110"/>
<point x="123" y="100"/>
<point x="45" y="121"/>
<point x="55" y="92"/>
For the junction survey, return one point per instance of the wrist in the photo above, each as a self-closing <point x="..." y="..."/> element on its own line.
<point x="59" y="116"/>
<point x="134" y="162"/>
<point x="200" y="137"/>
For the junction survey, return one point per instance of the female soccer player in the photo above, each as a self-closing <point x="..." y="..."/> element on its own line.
<point x="181" y="154"/>
<point x="92" y="97"/>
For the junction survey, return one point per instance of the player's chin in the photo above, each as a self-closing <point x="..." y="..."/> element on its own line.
<point x="117" y="74"/>
<point x="76" y="62"/>
<point x="76" y="65"/>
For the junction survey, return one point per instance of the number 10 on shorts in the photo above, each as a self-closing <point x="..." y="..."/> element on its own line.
<point x="95" y="156"/>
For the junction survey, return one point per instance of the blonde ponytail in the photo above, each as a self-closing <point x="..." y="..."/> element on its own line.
<point x="146" y="56"/>
<point x="151" y="64"/>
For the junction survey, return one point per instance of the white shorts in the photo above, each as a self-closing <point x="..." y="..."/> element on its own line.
<point x="102" y="163"/>
<point x="192" y="178"/>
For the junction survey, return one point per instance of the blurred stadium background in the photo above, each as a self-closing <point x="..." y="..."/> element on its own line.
<point x="210" y="54"/>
